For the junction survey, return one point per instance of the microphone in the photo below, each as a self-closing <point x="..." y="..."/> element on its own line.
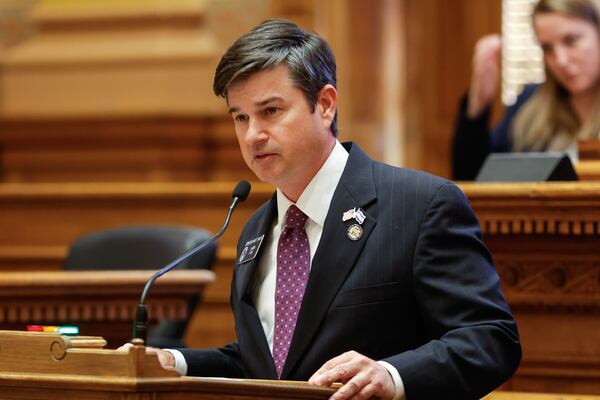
<point x="140" y="325"/>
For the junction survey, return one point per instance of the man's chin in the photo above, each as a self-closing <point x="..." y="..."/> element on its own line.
<point x="266" y="171"/>
<point x="265" y="176"/>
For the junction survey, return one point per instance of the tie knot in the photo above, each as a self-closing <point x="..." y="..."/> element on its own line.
<point x="295" y="218"/>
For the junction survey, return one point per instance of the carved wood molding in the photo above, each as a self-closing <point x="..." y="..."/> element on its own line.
<point x="551" y="284"/>
<point x="539" y="226"/>
<point x="105" y="296"/>
<point x="568" y="371"/>
<point x="566" y="209"/>
<point x="101" y="309"/>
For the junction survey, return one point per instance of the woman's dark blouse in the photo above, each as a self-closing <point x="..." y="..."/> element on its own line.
<point x="473" y="141"/>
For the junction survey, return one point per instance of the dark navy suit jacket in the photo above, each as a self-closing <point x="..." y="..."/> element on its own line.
<point x="418" y="290"/>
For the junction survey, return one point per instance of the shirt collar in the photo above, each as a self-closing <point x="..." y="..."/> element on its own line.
<point x="316" y="197"/>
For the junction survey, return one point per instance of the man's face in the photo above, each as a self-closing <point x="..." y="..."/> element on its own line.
<point x="282" y="140"/>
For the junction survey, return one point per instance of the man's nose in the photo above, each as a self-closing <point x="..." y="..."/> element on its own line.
<point x="256" y="132"/>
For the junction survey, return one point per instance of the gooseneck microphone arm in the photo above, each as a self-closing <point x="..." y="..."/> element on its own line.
<point x="140" y="325"/>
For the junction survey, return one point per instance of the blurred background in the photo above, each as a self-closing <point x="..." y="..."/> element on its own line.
<point x="120" y="90"/>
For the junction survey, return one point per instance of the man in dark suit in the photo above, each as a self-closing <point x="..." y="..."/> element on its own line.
<point x="354" y="271"/>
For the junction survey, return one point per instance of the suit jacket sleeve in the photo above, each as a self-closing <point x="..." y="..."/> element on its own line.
<point x="215" y="362"/>
<point x="472" y="344"/>
<point x="221" y="362"/>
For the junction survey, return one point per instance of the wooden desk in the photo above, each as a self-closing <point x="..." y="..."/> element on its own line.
<point x="588" y="166"/>
<point x="499" y="395"/>
<point x="99" y="302"/>
<point x="588" y="170"/>
<point x="545" y="240"/>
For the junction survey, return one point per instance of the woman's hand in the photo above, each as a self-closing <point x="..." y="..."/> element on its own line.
<point x="485" y="76"/>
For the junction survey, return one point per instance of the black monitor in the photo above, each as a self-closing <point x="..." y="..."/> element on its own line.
<point x="526" y="167"/>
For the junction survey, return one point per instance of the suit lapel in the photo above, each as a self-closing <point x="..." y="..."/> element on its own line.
<point x="245" y="271"/>
<point x="332" y="264"/>
<point x="250" y="326"/>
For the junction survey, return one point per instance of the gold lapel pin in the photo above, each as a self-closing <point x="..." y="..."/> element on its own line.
<point x="354" y="232"/>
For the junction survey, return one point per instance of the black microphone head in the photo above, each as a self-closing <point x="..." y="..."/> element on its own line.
<point x="241" y="190"/>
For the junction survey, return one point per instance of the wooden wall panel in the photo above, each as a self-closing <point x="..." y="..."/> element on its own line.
<point x="134" y="63"/>
<point x="441" y="36"/>
<point x="354" y="30"/>
<point x="144" y="148"/>
<point x="123" y="92"/>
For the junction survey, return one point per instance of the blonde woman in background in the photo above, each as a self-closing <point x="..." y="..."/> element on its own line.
<point x="546" y="117"/>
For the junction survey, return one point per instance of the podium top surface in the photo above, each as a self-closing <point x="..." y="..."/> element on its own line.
<point x="54" y="365"/>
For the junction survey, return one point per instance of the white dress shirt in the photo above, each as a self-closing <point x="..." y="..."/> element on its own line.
<point x="314" y="202"/>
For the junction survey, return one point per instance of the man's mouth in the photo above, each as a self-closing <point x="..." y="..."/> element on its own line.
<point x="262" y="156"/>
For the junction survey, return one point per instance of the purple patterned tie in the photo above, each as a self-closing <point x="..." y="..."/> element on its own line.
<point x="293" y="267"/>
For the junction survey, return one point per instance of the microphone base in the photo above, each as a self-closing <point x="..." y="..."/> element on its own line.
<point x="140" y="326"/>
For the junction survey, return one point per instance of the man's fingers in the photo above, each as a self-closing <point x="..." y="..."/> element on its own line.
<point x="328" y="371"/>
<point x="165" y="358"/>
<point x="339" y="373"/>
<point x="369" y="383"/>
<point x="356" y="388"/>
<point x="125" y="347"/>
<point x="363" y="377"/>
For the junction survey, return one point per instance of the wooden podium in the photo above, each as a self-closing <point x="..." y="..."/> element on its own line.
<point x="51" y="366"/>
<point x="36" y="365"/>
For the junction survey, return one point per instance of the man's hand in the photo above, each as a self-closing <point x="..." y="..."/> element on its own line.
<point x="362" y="377"/>
<point x="165" y="358"/>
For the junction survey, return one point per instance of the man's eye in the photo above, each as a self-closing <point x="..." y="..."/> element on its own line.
<point x="271" y="110"/>
<point x="241" y="118"/>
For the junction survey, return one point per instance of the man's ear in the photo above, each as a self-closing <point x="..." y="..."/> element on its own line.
<point x="327" y="104"/>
